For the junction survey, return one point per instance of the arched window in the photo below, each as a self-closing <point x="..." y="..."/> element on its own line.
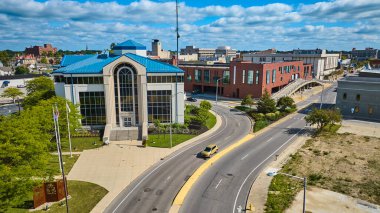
<point x="126" y="102"/>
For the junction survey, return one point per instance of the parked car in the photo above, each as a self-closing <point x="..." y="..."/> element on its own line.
<point x="209" y="150"/>
<point x="191" y="99"/>
<point x="20" y="86"/>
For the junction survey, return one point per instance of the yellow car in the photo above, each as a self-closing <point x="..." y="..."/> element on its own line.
<point x="209" y="150"/>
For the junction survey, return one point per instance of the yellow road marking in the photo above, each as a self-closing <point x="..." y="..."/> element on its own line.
<point x="180" y="198"/>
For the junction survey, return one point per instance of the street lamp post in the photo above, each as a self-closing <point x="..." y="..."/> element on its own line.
<point x="216" y="95"/>
<point x="295" y="177"/>
<point x="170" y="125"/>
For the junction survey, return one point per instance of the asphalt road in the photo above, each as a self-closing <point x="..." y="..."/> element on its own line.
<point x="224" y="187"/>
<point x="156" y="188"/>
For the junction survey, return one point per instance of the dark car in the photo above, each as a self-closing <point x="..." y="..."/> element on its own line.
<point x="191" y="99"/>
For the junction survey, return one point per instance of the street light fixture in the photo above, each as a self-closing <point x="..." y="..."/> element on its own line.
<point x="295" y="177"/>
<point x="216" y="95"/>
<point x="171" y="137"/>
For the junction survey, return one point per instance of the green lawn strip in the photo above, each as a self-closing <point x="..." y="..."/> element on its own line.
<point x="53" y="165"/>
<point x="163" y="140"/>
<point x="84" y="197"/>
<point x="211" y="121"/>
<point x="78" y="144"/>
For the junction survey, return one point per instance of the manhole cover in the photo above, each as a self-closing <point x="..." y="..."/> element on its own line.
<point x="154" y="209"/>
<point x="147" y="189"/>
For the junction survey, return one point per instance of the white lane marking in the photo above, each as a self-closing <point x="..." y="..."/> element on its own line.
<point x="179" y="153"/>
<point x="167" y="179"/>
<point x="269" y="139"/>
<point x="228" y="137"/>
<point x="244" y="156"/>
<point x="218" y="184"/>
<point x="245" y="180"/>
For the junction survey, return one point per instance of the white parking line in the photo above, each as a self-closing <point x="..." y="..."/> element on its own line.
<point x="218" y="184"/>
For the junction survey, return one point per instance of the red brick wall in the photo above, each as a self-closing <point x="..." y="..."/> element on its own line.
<point x="238" y="89"/>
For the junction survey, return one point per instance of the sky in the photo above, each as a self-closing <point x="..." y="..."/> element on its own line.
<point x="241" y="24"/>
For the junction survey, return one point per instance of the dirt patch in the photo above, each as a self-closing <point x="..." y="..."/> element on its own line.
<point x="343" y="163"/>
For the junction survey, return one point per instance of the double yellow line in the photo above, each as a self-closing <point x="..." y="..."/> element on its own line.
<point x="180" y="198"/>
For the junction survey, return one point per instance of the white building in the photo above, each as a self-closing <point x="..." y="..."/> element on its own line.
<point x="323" y="63"/>
<point x="123" y="92"/>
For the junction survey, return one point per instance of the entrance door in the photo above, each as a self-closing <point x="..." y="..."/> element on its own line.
<point x="127" y="121"/>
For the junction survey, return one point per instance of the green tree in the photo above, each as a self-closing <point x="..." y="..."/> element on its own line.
<point x="44" y="60"/>
<point x="50" y="54"/>
<point x="41" y="88"/>
<point x="201" y="116"/>
<point x="323" y="117"/>
<point x="4" y="58"/>
<point x="20" y="70"/>
<point x="286" y="102"/>
<point x="266" y="104"/>
<point x="205" y="105"/>
<point x="12" y="92"/>
<point x="247" y="100"/>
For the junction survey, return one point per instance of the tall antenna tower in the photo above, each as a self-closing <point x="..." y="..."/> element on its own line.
<point x="177" y="30"/>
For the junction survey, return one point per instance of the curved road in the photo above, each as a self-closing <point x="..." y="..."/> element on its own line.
<point x="156" y="188"/>
<point x="225" y="185"/>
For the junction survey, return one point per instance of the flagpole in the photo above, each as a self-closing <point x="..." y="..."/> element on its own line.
<point x="60" y="153"/>
<point x="68" y="127"/>
<point x="56" y="139"/>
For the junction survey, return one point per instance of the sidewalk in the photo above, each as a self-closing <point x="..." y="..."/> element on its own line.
<point x="115" y="166"/>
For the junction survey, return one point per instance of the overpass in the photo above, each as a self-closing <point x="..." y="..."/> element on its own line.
<point x="295" y="86"/>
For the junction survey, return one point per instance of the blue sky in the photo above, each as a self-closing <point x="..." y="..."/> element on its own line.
<point x="241" y="24"/>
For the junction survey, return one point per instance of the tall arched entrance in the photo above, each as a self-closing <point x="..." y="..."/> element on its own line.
<point x="126" y="96"/>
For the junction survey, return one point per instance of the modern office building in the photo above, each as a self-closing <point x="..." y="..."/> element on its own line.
<point x="367" y="53"/>
<point x="323" y="63"/>
<point x="225" y="51"/>
<point x="358" y="96"/>
<point x="240" y="78"/>
<point x="123" y="92"/>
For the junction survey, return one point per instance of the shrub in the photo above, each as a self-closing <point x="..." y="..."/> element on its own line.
<point x="205" y="105"/>
<point x="271" y="116"/>
<point x="257" y="116"/>
<point x="260" y="124"/>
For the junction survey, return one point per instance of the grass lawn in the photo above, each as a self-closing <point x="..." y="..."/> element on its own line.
<point x="81" y="143"/>
<point x="210" y="123"/>
<point x="344" y="163"/>
<point x="84" y="197"/>
<point x="53" y="165"/>
<point x="163" y="141"/>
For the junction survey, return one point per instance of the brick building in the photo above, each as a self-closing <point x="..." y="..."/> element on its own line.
<point x="39" y="50"/>
<point x="240" y="78"/>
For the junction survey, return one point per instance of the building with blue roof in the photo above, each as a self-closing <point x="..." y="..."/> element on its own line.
<point x="123" y="92"/>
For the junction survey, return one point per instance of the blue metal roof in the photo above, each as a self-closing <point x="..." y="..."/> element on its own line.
<point x="95" y="64"/>
<point x="71" y="59"/>
<point x="154" y="66"/>
<point x="129" y="45"/>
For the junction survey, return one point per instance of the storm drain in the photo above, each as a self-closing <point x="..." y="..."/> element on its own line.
<point x="187" y="177"/>
<point x="154" y="209"/>
<point x="229" y="174"/>
<point x="147" y="189"/>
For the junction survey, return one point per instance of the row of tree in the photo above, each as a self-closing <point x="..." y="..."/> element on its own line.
<point x="266" y="104"/>
<point x="27" y="138"/>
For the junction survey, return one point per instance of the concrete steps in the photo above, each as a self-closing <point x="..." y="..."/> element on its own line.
<point x="123" y="134"/>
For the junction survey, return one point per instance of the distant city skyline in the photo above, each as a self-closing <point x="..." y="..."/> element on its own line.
<point x="241" y="24"/>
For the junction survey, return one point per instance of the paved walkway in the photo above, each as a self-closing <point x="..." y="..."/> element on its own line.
<point x="115" y="166"/>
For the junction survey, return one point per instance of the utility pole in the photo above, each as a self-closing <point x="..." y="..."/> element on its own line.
<point x="216" y="95"/>
<point x="177" y="30"/>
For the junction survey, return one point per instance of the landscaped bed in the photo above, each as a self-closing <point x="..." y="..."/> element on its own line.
<point x="344" y="163"/>
<point x="84" y="197"/>
<point x="197" y="121"/>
